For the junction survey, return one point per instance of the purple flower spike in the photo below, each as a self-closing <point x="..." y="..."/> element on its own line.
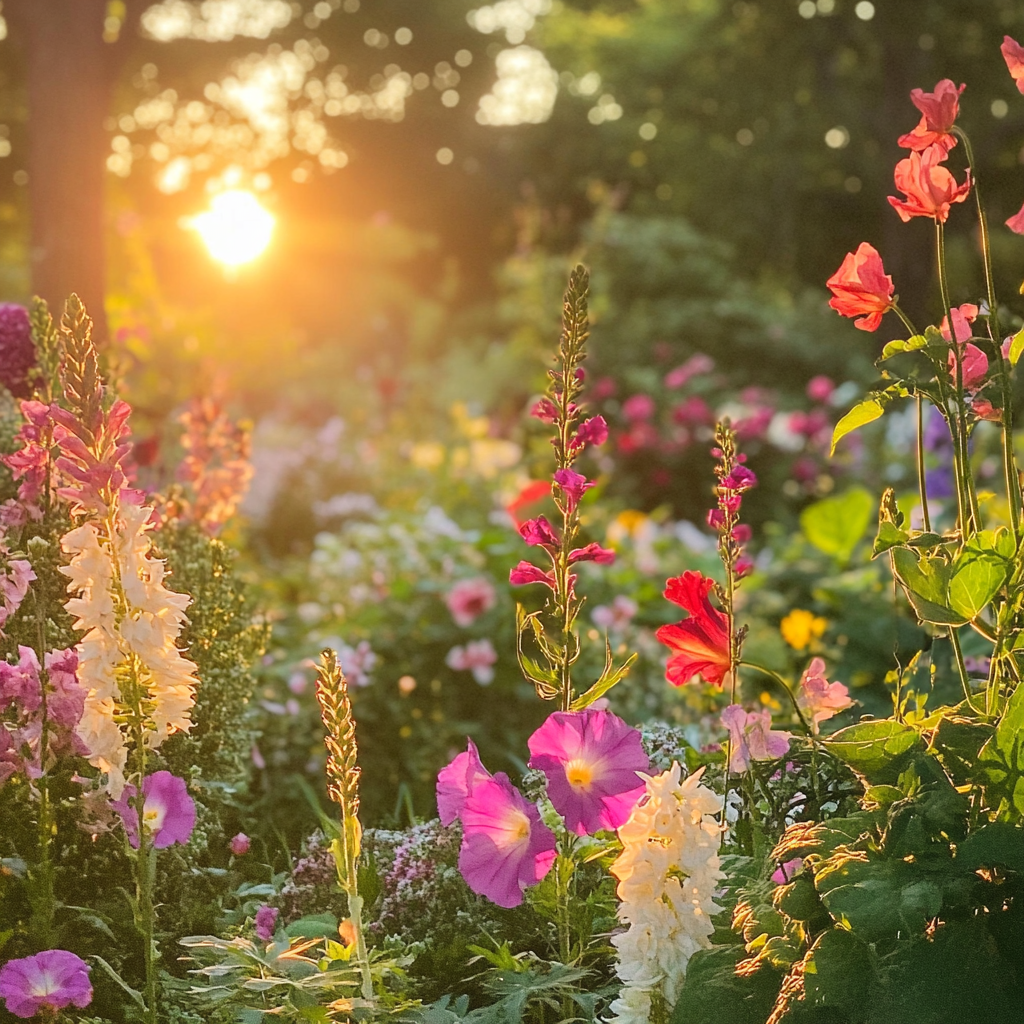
<point x="45" y="982"/>
<point x="506" y="848"/>
<point x="168" y="812"/>
<point x="17" y="351"/>
<point x="266" y="922"/>
<point x="591" y="759"/>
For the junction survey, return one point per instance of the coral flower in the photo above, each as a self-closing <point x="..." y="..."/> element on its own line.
<point x="751" y="737"/>
<point x="939" y="109"/>
<point x="930" y="188"/>
<point x="168" y="812"/>
<point x="861" y="287"/>
<point x="699" y="644"/>
<point x="1013" y="54"/>
<point x="1016" y="222"/>
<point x="505" y="846"/>
<point x="819" y="699"/>
<point x="591" y="759"/>
<point x="44" y="983"/>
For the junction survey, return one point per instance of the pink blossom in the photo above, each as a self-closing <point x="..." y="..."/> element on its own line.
<point x="695" y="366"/>
<point x="539" y="532"/>
<point x="591" y="759"/>
<point x="593" y="552"/>
<point x="573" y="486"/>
<point x="754" y="424"/>
<point x="1013" y="54"/>
<point x="819" y="389"/>
<point x="604" y="387"/>
<point x="17" y="350"/>
<point x="357" y="662"/>
<point x="751" y="737"/>
<point x="266" y="922"/>
<point x="527" y="572"/>
<point x="1016" y="222"/>
<point x="478" y="657"/>
<point x="819" y="699"/>
<point x="45" y="983"/>
<point x="616" y="616"/>
<point x="469" y="599"/>
<point x="985" y="410"/>
<point x="742" y="533"/>
<point x="739" y="480"/>
<point x="20" y="684"/>
<point x="28" y="463"/>
<point x="239" y="845"/>
<point x="716" y="518"/>
<point x="591" y="431"/>
<point x="963" y="316"/>
<point x="168" y="812"/>
<point x="939" y="109"/>
<point x="65" y="701"/>
<point x="456" y="781"/>
<point x="974" y="363"/>
<point x="787" y="871"/>
<point x="638" y="407"/>
<point x="505" y="846"/>
<point x="545" y="411"/>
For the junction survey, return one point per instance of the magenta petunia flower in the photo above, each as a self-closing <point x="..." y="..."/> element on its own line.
<point x="168" y="812"/>
<point x="751" y="737"/>
<point x="45" y="982"/>
<point x="266" y="922"/>
<point x="505" y="846"/>
<point x="456" y="781"/>
<point x="591" y="759"/>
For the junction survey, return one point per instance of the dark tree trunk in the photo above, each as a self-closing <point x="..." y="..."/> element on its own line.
<point x="70" y="73"/>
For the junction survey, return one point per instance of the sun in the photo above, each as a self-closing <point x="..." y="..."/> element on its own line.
<point x="236" y="229"/>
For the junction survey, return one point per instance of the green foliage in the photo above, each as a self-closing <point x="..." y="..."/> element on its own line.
<point x="836" y="525"/>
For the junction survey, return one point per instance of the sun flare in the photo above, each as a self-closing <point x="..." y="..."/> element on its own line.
<point x="236" y="229"/>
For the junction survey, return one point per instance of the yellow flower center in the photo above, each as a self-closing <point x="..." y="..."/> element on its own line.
<point x="578" y="774"/>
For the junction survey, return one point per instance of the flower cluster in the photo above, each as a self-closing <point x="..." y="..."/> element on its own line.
<point x="15" y="576"/>
<point x="668" y="872"/>
<point x="17" y="353"/>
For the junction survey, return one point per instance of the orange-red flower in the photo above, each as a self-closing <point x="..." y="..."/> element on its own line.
<point x="1013" y="54"/>
<point x="939" y="110"/>
<point x="700" y="643"/>
<point x="861" y="287"/>
<point x="930" y="188"/>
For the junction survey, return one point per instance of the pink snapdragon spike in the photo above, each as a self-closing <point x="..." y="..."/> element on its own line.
<point x="478" y="657"/>
<point x="539" y="533"/>
<point x="1013" y="54"/>
<point x="168" y="812"/>
<point x="456" y="781"/>
<point x="573" y="485"/>
<point x="591" y="759"/>
<point x="45" y="983"/>
<point x="700" y="643"/>
<point x="13" y="586"/>
<point x="787" y="871"/>
<point x="751" y="737"/>
<point x="239" y="845"/>
<point x="469" y="599"/>
<point x="592" y="552"/>
<point x="506" y="848"/>
<point x="65" y="701"/>
<point x="28" y="463"/>
<point x="818" y="699"/>
<point x="939" y="110"/>
<point x="266" y="922"/>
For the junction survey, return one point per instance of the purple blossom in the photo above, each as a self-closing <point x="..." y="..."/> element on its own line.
<point x="266" y="922"/>
<point x="44" y="983"/>
<point x="168" y="812"/>
<point x="456" y="781"/>
<point x="19" y="684"/>
<point x="17" y="351"/>
<point x="751" y="737"/>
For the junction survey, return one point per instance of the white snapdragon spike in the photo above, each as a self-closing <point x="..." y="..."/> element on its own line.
<point x="128" y="616"/>
<point x="668" y="872"/>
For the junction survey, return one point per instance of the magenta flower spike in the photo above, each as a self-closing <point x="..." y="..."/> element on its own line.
<point x="506" y="848"/>
<point x="46" y="982"/>
<point x="168" y="812"/>
<point x="456" y="781"/>
<point x="591" y="759"/>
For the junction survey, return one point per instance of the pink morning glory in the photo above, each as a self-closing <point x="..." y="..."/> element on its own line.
<point x="455" y="782"/>
<point x="751" y="737"/>
<point x="819" y="699"/>
<point x="591" y="759"/>
<point x="505" y="846"/>
<point x="44" y="983"/>
<point x="168" y="812"/>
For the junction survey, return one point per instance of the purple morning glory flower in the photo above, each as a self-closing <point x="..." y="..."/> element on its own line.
<point x="168" y="812"/>
<point x="47" y="981"/>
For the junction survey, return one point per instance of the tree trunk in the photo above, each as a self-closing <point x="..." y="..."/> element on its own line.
<point x="70" y="77"/>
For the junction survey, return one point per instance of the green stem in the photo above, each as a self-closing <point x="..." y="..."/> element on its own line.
<point x="965" y="681"/>
<point x="922" y="486"/>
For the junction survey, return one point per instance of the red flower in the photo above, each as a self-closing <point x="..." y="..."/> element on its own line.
<point x="700" y="643"/>
<point x="940" y="109"/>
<point x="1016" y="222"/>
<point x="861" y="287"/>
<point x="531" y="494"/>
<point x="1013" y="54"/>
<point x="930" y="188"/>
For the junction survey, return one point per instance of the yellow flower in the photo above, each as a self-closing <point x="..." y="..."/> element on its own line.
<point x="800" y="627"/>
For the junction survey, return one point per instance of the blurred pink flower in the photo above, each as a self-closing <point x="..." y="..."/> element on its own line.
<point x="17" y="351"/>
<point x="266" y="922"/>
<point x="963" y="317"/>
<point x="1013" y="54"/>
<point x="693" y="410"/>
<point x="819" y="699"/>
<point x="168" y="812"/>
<point x="819" y="389"/>
<point x="13" y="586"/>
<point x="545" y="411"/>
<point x="469" y="599"/>
<point x="1016" y="222"/>
<point x="478" y="657"/>
<point x="695" y="366"/>
<point x="751" y="737"/>
<point x="615" y="617"/>
<point x="638" y="407"/>
<point x="239" y="845"/>
<point x="45" y="983"/>
<point x="591" y="759"/>
<point x="787" y="871"/>
<point x="592" y="431"/>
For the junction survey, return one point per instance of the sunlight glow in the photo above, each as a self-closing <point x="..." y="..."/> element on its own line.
<point x="236" y="229"/>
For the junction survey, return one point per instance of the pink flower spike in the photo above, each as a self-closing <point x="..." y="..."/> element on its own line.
<point x="266" y="922"/>
<point x="539" y="533"/>
<point x="819" y="699"/>
<point x="592" y="553"/>
<point x="787" y="871"/>
<point x="591" y="759"/>
<point x="239" y="845"/>
<point x="506" y="848"/>
<point x="1016" y="222"/>
<point x="975" y="366"/>
<point x="573" y="486"/>
<point x="168" y="812"/>
<point x="751" y="737"/>
<point x="456" y="781"/>
<point x="527" y="572"/>
<point x="1013" y="54"/>
<point x="45" y="983"/>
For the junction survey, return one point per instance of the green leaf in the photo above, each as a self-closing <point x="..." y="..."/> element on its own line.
<point x="1016" y="347"/>
<point x="910" y="345"/>
<point x="877" y="750"/>
<point x="1002" y="757"/>
<point x="839" y="972"/>
<point x="133" y="994"/>
<point x="958" y="741"/>
<point x="976" y="580"/>
<point x="609" y="677"/>
<point x="836" y="525"/>
<point x="926" y="582"/>
<point x="861" y="414"/>
<point x="889" y="536"/>
<point x="313" y="926"/>
<point x="998" y="844"/>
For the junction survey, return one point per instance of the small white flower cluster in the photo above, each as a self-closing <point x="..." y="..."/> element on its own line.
<point x="668" y="872"/>
<point x="131" y="623"/>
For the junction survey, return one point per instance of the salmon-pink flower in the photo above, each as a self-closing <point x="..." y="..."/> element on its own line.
<point x="239" y="845"/>
<point x="1013" y="54"/>
<point x="819" y="699"/>
<point x="974" y="366"/>
<point x="593" y="552"/>
<point x="1016" y="222"/>
<point x="591" y="759"/>
<point x="700" y="643"/>
<point x="168" y="812"/>
<point x="930" y="188"/>
<point x="751" y="737"/>
<point x="539" y="532"/>
<point x="266" y="922"/>
<point x="939" y="109"/>
<point x="573" y="486"/>
<point x="478" y="657"/>
<point x="962" y="316"/>
<point x="469" y="599"/>
<point x="456" y="781"/>
<point x="985" y="410"/>
<point x="545" y="411"/>
<point x="787" y="871"/>
<point x="861" y="287"/>
<point x="45" y="983"/>
<point x="505" y="846"/>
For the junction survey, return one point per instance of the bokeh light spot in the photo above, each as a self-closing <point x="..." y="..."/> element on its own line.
<point x="236" y="229"/>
